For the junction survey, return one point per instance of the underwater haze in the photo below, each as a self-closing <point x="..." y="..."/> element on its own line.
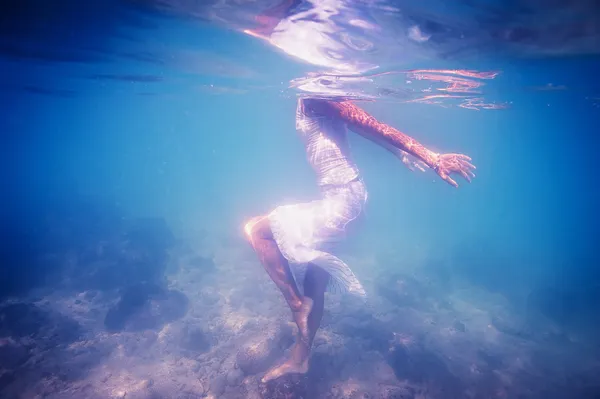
<point x="138" y="138"/>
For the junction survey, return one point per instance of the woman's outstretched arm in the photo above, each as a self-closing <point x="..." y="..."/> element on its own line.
<point x="361" y="122"/>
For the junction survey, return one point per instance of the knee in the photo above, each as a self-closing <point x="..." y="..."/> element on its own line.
<point x="249" y="228"/>
<point x="255" y="227"/>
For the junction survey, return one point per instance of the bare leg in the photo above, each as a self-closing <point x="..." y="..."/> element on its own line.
<point x="315" y="283"/>
<point x="261" y="238"/>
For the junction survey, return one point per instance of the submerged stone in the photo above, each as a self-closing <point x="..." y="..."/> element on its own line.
<point x="146" y="306"/>
<point x="20" y="319"/>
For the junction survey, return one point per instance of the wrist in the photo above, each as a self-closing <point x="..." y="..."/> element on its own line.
<point x="435" y="161"/>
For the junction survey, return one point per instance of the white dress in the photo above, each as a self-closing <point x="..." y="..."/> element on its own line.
<point x="307" y="232"/>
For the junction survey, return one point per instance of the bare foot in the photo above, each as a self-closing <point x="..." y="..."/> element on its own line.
<point x="289" y="367"/>
<point x="297" y="363"/>
<point x="301" y="318"/>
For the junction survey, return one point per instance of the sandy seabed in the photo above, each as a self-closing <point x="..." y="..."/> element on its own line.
<point x="218" y="323"/>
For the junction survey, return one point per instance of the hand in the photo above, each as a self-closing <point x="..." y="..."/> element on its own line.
<point x="454" y="163"/>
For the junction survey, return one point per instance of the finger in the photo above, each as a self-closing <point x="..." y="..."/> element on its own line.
<point x="465" y="175"/>
<point x="450" y="181"/>
<point x="420" y="167"/>
<point x="468" y="164"/>
<point x="466" y="167"/>
<point x="460" y="156"/>
<point x="470" y="173"/>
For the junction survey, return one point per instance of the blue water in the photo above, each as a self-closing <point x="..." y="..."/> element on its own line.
<point x="189" y="121"/>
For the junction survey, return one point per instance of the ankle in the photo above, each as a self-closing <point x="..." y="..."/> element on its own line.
<point x="300" y="351"/>
<point x="295" y="304"/>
